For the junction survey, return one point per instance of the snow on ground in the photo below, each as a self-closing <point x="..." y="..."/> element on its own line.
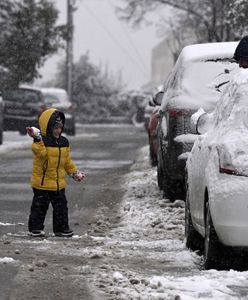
<point x="142" y="256"/>
<point x="151" y="231"/>
<point x="7" y="260"/>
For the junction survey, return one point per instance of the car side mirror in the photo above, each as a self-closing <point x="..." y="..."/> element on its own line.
<point x="198" y="122"/>
<point x="158" y="98"/>
<point x="204" y="123"/>
<point x="151" y="103"/>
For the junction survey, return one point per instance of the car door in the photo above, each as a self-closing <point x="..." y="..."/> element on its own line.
<point x="197" y="184"/>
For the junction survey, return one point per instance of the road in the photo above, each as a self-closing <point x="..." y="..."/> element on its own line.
<point x="105" y="154"/>
<point x="129" y="240"/>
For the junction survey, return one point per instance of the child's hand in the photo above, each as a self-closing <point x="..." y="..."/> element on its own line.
<point x="33" y="132"/>
<point x="78" y="176"/>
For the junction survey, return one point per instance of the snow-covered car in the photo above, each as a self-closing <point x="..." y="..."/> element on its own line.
<point x="197" y="80"/>
<point x="58" y="98"/>
<point x="152" y="126"/>
<point x="216" y="207"/>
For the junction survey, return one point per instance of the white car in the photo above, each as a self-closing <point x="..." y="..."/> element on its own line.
<point x="216" y="211"/>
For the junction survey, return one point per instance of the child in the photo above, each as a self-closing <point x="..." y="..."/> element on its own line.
<point x="51" y="161"/>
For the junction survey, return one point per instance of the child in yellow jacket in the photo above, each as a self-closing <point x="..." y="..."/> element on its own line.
<point x="51" y="162"/>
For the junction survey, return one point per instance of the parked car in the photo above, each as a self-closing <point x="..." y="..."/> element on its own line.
<point x="150" y="106"/>
<point x="1" y="119"/>
<point x="197" y="79"/>
<point x="148" y="111"/>
<point x="217" y="178"/>
<point x="22" y="107"/>
<point x="58" y="98"/>
<point x="152" y="126"/>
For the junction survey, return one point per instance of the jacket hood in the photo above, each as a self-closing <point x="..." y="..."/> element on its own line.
<point x="47" y="120"/>
<point x="242" y="49"/>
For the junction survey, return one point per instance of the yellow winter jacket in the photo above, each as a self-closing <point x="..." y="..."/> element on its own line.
<point x="52" y="159"/>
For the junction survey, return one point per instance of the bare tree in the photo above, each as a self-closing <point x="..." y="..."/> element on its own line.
<point x="210" y="20"/>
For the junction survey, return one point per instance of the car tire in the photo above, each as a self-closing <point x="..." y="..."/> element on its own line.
<point x="212" y="259"/>
<point x="193" y="239"/>
<point x="173" y="189"/>
<point x="137" y="121"/>
<point x="169" y="186"/>
<point x="1" y="137"/>
<point x="160" y="174"/>
<point x="153" y="157"/>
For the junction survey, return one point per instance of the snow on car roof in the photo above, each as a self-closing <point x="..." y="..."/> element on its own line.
<point x="43" y="89"/>
<point x="52" y="90"/>
<point x="211" y="50"/>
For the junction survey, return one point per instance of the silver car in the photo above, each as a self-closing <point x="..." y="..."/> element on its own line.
<point x="58" y="98"/>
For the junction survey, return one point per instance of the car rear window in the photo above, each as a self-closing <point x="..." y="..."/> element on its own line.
<point x="53" y="97"/>
<point x="21" y="96"/>
<point x="200" y="83"/>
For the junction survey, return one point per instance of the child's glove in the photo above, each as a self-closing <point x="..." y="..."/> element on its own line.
<point x="34" y="132"/>
<point x="78" y="176"/>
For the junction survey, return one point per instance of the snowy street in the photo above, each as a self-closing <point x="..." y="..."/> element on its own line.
<point x="128" y="242"/>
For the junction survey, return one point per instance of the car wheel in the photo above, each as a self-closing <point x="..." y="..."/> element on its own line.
<point x="153" y="157"/>
<point x="160" y="174"/>
<point x="194" y="241"/>
<point x="211" y="243"/>
<point x="173" y="189"/>
<point x="1" y="137"/>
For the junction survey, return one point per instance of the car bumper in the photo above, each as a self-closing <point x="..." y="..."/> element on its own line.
<point x="229" y="209"/>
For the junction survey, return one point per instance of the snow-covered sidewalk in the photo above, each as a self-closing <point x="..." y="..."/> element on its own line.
<point x="145" y="255"/>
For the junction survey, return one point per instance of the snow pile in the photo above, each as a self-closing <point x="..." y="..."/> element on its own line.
<point x="7" y="260"/>
<point x="7" y="224"/>
<point x="148" y="241"/>
<point x="149" y="260"/>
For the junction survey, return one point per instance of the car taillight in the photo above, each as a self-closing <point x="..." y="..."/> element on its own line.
<point x="227" y="166"/>
<point x="176" y="113"/>
<point x="42" y="108"/>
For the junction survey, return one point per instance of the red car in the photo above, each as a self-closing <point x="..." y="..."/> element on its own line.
<point x="152" y="126"/>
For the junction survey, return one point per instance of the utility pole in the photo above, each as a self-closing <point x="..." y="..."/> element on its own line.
<point x="69" y="48"/>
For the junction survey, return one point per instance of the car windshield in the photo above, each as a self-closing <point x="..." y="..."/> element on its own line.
<point x="200" y="83"/>
<point x="55" y="97"/>
<point x="19" y="95"/>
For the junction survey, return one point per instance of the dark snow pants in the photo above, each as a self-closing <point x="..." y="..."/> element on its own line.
<point x="40" y="205"/>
